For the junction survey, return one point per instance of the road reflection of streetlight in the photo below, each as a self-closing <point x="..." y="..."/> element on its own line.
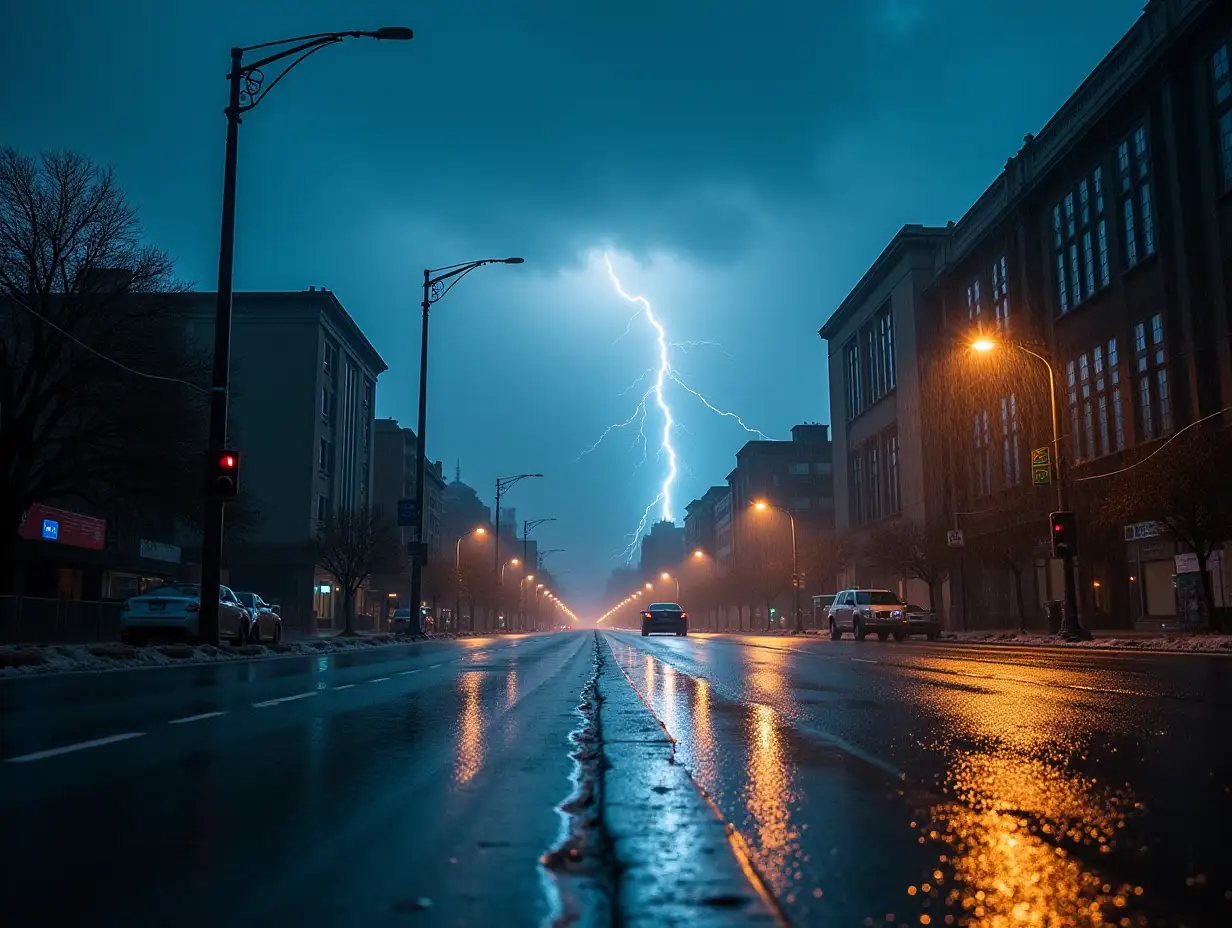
<point x="703" y="735"/>
<point x="665" y="703"/>
<point x="1016" y="811"/>
<point x="470" y="733"/>
<point x="766" y="796"/>
<point x="511" y="689"/>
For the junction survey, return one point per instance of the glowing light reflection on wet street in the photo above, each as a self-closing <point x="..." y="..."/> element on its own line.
<point x="926" y="785"/>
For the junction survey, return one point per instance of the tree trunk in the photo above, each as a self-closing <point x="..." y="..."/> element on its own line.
<point x="348" y="609"/>
<point x="1208" y="592"/>
<point x="932" y="595"/>
<point x="767" y="615"/>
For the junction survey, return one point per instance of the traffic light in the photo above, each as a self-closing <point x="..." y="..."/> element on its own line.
<point x="222" y="473"/>
<point x="1064" y="533"/>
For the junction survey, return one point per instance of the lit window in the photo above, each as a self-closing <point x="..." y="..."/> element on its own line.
<point x="1001" y="294"/>
<point x="1011" y="452"/>
<point x="1154" y="397"/>
<point x="1080" y="241"/>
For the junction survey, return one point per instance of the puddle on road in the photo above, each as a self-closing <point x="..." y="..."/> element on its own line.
<point x="1011" y="834"/>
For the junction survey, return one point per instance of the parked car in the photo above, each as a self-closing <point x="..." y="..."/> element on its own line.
<point x="665" y="617"/>
<point x="921" y="621"/>
<point x="862" y="611"/>
<point x="266" y="622"/>
<point x="400" y="622"/>
<point x="174" y="610"/>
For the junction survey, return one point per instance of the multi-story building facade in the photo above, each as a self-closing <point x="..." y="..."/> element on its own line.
<point x="302" y="408"/>
<point x="1104" y="249"/>
<point x="396" y="451"/>
<point x="796" y="475"/>
<point x="879" y="341"/>
<point x="700" y="528"/>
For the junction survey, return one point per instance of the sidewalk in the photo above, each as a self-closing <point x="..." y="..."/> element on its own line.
<point x="1115" y="639"/>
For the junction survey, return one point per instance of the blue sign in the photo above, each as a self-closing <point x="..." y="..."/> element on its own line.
<point x="51" y="529"/>
<point x="408" y="513"/>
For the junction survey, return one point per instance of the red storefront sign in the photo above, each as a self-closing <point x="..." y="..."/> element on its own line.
<point x="46" y="523"/>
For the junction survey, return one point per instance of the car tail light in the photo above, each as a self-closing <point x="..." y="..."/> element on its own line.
<point x="684" y="615"/>
<point x="645" y="615"/>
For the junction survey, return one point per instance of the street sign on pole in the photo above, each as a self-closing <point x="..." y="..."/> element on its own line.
<point x="408" y="513"/>
<point x="1041" y="476"/>
<point x="1041" y="457"/>
<point x="955" y="537"/>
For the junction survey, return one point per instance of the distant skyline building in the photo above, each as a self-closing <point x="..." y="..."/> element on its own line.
<point x="662" y="548"/>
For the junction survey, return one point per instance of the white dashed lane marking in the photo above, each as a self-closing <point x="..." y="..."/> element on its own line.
<point x="196" y="718"/>
<point x="282" y="699"/>
<point x="406" y="672"/>
<point x="861" y="660"/>
<point x="378" y="680"/>
<point x="79" y="746"/>
<point x="344" y="686"/>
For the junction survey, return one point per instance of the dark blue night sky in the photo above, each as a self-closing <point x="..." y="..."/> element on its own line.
<point x="744" y="162"/>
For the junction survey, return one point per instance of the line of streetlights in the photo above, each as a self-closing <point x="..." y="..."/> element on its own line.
<point x="247" y="88"/>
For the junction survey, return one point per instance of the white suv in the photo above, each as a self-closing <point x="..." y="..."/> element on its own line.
<point x="862" y="611"/>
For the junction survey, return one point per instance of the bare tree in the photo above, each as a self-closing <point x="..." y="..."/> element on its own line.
<point x="1183" y="486"/>
<point x="901" y="545"/>
<point x="352" y="545"/>
<point x="101" y="398"/>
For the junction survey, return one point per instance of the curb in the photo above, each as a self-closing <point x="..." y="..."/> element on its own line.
<point x="675" y="862"/>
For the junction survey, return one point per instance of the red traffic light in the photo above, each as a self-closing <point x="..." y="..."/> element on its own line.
<point x="227" y="462"/>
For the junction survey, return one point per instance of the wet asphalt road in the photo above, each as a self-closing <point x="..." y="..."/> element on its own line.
<point x="354" y="789"/>
<point x="869" y="783"/>
<point x="907" y="784"/>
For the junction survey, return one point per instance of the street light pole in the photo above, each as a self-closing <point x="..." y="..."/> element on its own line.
<point x="761" y="504"/>
<point x="434" y="289"/>
<point x="245" y="91"/>
<point x="1071" y="623"/>
<point x="527" y="526"/>
<point x="502" y="485"/>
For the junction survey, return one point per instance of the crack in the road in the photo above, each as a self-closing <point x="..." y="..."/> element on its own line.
<point x="581" y="866"/>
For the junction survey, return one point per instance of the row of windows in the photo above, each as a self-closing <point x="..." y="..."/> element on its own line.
<point x="1000" y="294"/>
<point x="1080" y="227"/>
<point x="1096" y="408"/>
<point x="803" y="468"/>
<point x="1010" y="440"/>
<point x="875" y="490"/>
<point x="869" y="361"/>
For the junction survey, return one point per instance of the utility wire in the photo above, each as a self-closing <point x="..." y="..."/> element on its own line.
<point x="1178" y="434"/>
<point x="112" y="361"/>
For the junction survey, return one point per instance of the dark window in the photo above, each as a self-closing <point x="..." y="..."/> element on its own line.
<point x="855" y="396"/>
<point x="1221" y="92"/>
<point x="327" y="404"/>
<point x="322" y="508"/>
<point x="1011" y="451"/>
<point x="331" y="359"/>
<point x="1154" y="397"/>
<point x="894" y="493"/>
<point x="325" y="457"/>
<point x="983" y="455"/>
<point x="1137" y="219"/>
<point x="797" y="469"/>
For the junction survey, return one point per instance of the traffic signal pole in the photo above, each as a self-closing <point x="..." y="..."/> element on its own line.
<point x="1071" y="626"/>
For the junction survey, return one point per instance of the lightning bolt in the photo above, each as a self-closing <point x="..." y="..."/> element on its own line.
<point x="663" y="373"/>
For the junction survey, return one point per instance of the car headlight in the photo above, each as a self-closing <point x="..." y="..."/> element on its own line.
<point x="897" y="614"/>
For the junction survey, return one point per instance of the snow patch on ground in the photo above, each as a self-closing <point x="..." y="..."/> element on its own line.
<point x="1191" y="643"/>
<point x="21" y="660"/>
